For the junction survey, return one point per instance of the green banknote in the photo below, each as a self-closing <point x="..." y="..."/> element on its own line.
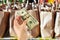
<point x="31" y="21"/>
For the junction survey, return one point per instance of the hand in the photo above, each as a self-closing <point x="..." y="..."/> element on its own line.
<point x="20" y="28"/>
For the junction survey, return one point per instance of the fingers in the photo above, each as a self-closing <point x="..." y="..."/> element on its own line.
<point x="20" y="23"/>
<point x="19" y="20"/>
<point x="25" y="22"/>
<point x="21" y="30"/>
<point x="15" y="22"/>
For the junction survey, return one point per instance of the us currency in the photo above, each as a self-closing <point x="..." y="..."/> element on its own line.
<point x="31" y="21"/>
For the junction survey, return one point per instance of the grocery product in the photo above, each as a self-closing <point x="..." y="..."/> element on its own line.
<point x="57" y="24"/>
<point x="4" y="19"/>
<point x="46" y="24"/>
<point x="36" y="30"/>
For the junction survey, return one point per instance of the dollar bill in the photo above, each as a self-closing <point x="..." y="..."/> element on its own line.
<point x="32" y="22"/>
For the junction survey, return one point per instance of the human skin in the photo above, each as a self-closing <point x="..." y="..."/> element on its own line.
<point x="20" y="29"/>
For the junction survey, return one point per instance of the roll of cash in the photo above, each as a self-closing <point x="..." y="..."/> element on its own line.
<point x="31" y="23"/>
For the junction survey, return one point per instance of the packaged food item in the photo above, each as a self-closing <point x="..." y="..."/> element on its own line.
<point x="57" y="25"/>
<point x="36" y="30"/>
<point x="47" y="22"/>
<point x="4" y="22"/>
<point x="11" y="23"/>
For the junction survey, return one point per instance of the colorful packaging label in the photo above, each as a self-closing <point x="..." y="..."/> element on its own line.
<point x="0" y="2"/>
<point x="20" y="1"/>
<point x="4" y="1"/>
<point x="51" y="1"/>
